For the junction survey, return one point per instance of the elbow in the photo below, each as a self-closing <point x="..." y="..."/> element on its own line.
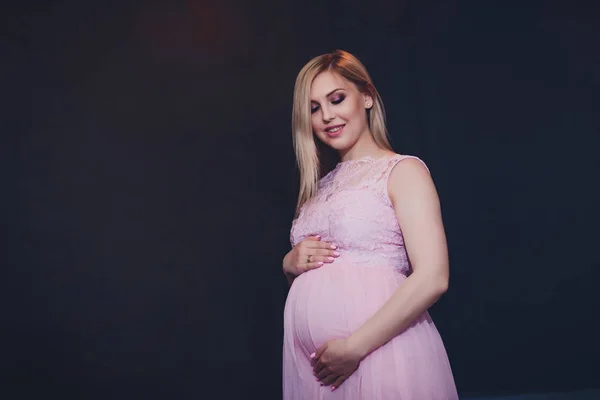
<point x="436" y="282"/>
<point x="442" y="286"/>
<point x="438" y="285"/>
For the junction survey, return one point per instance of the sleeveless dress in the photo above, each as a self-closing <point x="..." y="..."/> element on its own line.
<point x="352" y="210"/>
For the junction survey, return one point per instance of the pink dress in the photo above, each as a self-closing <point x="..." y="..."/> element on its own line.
<point x="352" y="209"/>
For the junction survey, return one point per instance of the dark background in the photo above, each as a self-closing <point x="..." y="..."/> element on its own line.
<point x="149" y="185"/>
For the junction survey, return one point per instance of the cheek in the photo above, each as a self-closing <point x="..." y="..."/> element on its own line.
<point x="320" y="135"/>
<point x="316" y="126"/>
<point x="350" y="110"/>
<point x="315" y="121"/>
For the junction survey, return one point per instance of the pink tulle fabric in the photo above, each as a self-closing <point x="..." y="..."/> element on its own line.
<point x="352" y="209"/>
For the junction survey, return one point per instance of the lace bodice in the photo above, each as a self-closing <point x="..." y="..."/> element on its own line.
<point x="352" y="209"/>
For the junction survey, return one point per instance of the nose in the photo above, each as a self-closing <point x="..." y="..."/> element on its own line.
<point x="328" y="114"/>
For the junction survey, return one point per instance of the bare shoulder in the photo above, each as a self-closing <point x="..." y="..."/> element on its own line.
<point x="409" y="169"/>
<point x="410" y="177"/>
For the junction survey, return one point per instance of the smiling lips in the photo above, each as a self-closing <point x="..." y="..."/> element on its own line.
<point x="335" y="130"/>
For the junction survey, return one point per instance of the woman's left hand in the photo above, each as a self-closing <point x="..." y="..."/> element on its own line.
<point x="334" y="362"/>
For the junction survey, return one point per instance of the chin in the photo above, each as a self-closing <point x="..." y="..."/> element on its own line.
<point x="338" y="144"/>
<point x="341" y="144"/>
<point x="341" y="148"/>
<point x="333" y="145"/>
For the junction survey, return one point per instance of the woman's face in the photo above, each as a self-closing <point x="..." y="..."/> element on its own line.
<point x="338" y="111"/>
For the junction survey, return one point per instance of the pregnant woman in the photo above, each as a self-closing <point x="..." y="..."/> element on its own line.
<point x="369" y="253"/>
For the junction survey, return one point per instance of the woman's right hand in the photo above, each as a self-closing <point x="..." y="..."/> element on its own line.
<point x="309" y="254"/>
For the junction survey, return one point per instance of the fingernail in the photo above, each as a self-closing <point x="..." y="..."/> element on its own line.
<point x="332" y="388"/>
<point x="318" y="236"/>
<point x="320" y="263"/>
<point x="330" y="258"/>
<point x="333" y="246"/>
<point x="312" y="355"/>
<point x="336" y="253"/>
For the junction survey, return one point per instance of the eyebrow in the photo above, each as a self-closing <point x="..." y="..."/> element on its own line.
<point x="329" y="94"/>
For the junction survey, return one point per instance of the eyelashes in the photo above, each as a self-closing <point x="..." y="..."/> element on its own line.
<point x="336" y="100"/>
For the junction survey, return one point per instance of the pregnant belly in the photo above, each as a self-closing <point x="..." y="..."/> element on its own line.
<point x="335" y="300"/>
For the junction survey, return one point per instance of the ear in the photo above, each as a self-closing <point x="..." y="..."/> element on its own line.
<point x="368" y="101"/>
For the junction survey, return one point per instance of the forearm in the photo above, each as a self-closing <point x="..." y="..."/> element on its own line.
<point x="416" y="294"/>
<point x="290" y="278"/>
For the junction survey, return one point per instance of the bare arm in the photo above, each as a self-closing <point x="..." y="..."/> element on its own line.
<point x="286" y="261"/>
<point x="416" y="202"/>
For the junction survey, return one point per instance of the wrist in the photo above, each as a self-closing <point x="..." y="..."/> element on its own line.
<point x="285" y="265"/>
<point x="359" y="345"/>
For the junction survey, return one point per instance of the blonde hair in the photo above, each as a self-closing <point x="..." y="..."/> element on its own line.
<point x="315" y="159"/>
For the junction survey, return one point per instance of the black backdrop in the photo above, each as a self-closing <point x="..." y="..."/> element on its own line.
<point x="149" y="185"/>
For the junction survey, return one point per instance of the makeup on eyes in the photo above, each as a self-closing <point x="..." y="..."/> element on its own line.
<point x="337" y="98"/>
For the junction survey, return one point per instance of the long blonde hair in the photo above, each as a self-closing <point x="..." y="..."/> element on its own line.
<point x="315" y="159"/>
